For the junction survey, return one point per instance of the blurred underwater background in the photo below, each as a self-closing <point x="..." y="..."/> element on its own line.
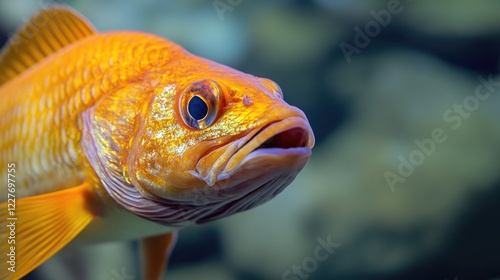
<point x="404" y="100"/>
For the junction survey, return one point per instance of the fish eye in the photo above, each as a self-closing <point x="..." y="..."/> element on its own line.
<point x="200" y="103"/>
<point x="197" y="108"/>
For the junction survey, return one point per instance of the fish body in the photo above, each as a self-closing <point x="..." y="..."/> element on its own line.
<point x="42" y="106"/>
<point x="125" y="135"/>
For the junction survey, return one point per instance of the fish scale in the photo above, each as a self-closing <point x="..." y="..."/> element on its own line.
<point x="47" y="103"/>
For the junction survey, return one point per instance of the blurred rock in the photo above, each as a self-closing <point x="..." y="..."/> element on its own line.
<point x="197" y="244"/>
<point x="267" y="240"/>
<point x="402" y="98"/>
<point x="288" y="37"/>
<point x="101" y="261"/>
<point x="207" y="271"/>
<point x="462" y="18"/>
<point x="357" y="10"/>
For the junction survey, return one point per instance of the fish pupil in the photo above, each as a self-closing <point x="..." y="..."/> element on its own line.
<point x="197" y="108"/>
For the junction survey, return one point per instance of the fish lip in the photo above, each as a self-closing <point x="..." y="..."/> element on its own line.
<point x="254" y="146"/>
<point x="245" y="148"/>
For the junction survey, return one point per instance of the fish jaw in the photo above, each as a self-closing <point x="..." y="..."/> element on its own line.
<point x="282" y="140"/>
<point x="291" y="137"/>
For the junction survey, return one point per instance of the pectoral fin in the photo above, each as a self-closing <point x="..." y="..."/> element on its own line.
<point x="39" y="227"/>
<point x="155" y="253"/>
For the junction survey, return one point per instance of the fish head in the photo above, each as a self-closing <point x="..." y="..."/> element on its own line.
<point x="216" y="142"/>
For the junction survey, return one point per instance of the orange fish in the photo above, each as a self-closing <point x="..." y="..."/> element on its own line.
<point x="125" y="135"/>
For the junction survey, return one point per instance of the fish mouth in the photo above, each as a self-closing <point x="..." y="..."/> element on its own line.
<point x="290" y="137"/>
<point x="284" y="139"/>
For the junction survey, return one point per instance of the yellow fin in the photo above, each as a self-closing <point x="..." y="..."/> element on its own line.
<point x="155" y="253"/>
<point x="48" y="31"/>
<point x="44" y="224"/>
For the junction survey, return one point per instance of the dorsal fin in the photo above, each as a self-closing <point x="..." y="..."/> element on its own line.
<point x="48" y="31"/>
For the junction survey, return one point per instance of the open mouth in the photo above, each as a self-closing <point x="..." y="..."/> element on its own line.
<point x="291" y="136"/>
<point x="285" y="134"/>
<point x="288" y="138"/>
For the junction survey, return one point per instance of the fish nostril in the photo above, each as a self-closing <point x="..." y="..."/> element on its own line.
<point x="247" y="100"/>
